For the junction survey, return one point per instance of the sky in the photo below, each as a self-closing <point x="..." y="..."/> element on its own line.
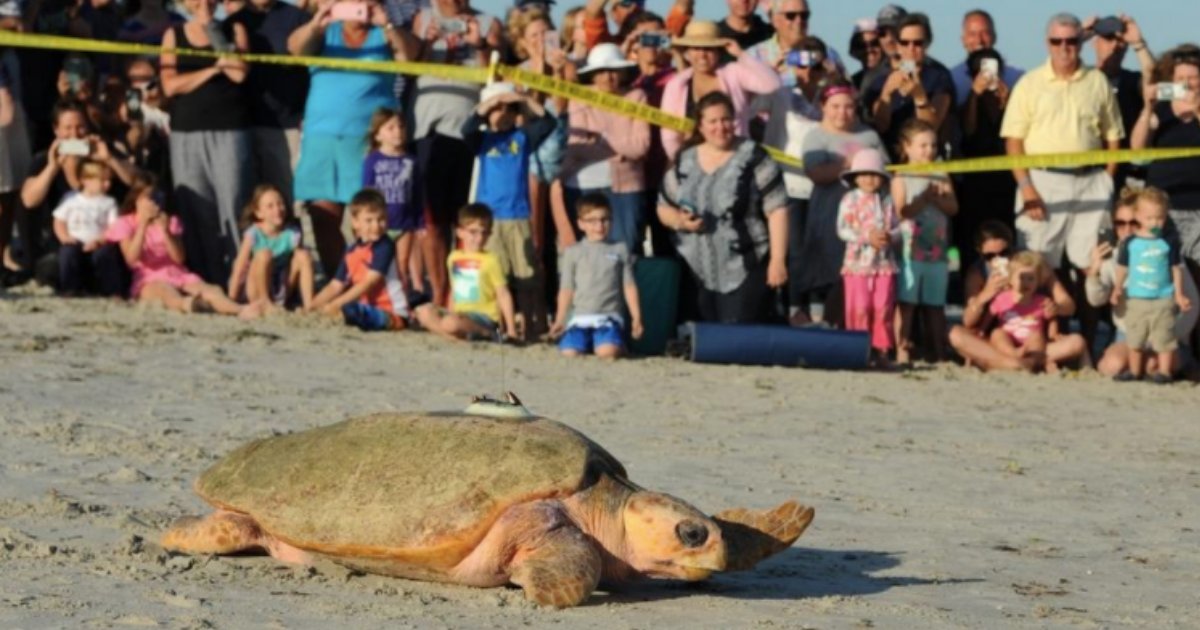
<point x="1020" y="24"/>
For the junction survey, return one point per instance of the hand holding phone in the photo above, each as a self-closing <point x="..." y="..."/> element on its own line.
<point x="349" y="12"/>
<point x="1172" y="91"/>
<point x="653" y="40"/>
<point x="76" y="147"/>
<point x="551" y="41"/>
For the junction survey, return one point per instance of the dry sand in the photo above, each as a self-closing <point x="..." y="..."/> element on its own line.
<point x="944" y="498"/>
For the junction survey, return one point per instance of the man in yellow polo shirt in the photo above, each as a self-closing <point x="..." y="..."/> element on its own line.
<point x="1063" y="107"/>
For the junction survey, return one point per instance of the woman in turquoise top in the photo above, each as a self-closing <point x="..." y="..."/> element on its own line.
<point x="338" y="113"/>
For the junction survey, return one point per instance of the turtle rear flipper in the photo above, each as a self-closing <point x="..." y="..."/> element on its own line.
<point x="223" y="533"/>
<point x="751" y="536"/>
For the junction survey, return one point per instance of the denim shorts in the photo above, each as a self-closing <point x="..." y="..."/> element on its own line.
<point x="586" y="340"/>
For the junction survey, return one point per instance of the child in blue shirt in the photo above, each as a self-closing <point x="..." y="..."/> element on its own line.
<point x="1148" y="284"/>
<point x="503" y="151"/>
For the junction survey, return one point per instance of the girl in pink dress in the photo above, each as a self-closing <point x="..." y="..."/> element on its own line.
<point x="149" y="240"/>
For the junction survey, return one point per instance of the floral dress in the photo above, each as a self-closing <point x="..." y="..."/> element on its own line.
<point x="859" y="214"/>
<point x="925" y="236"/>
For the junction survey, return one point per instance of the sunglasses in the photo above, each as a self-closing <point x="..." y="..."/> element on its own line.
<point x="1073" y="42"/>
<point x="792" y="16"/>
<point x="919" y="43"/>
<point x="990" y="256"/>
<point x="1133" y="223"/>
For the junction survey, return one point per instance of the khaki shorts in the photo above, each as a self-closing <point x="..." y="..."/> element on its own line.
<point x="512" y="244"/>
<point x="1152" y="323"/>
<point x="1077" y="208"/>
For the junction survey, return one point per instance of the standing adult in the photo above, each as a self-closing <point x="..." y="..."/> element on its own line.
<point x="916" y="87"/>
<point x="1176" y="124"/>
<point x="452" y="33"/>
<point x="654" y="71"/>
<point x="276" y="93"/>
<point x="14" y="156"/>
<point x="338" y="113"/>
<point x="1112" y="37"/>
<point x="210" y="139"/>
<point x="148" y="21"/>
<point x="828" y="150"/>
<point x="726" y="202"/>
<point x="740" y="79"/>
<point x="887" y="25"/>
<point x="866" y="49"/>
<point x="1063" y="107"/>
<point x="605" y="151"/>
<point x="978" y="33"/>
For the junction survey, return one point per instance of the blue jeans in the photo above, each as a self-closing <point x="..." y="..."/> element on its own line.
<point x="628" y="216"/>
<point x="101" y="269"/>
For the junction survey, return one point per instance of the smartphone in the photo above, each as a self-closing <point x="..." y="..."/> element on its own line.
<point x="81" y="148"/>
<point x="453" y="27"/>
<point x="801" y="59"/>
<point x="217" y="38"/>
<point x="999" y="266"/>
<point x="78" y="71"/>
<point x="653" y="40"/>
<point x="349" y="12"/>
<point x="1107" y="235"/>
<point x="552" y="40"/>
<point x="990" y="67"/>
<point x="1172" y="91"/>
<point x="908" y="66"/>
<point x="133" y="100"/>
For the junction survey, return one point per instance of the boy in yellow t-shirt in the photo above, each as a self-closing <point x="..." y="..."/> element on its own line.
<point x="480" y="301"/>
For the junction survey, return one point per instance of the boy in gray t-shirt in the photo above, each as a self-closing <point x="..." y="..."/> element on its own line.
<point x="596" y="286"/>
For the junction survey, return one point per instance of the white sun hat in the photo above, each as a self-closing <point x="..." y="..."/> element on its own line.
<point x="606" y="57"/>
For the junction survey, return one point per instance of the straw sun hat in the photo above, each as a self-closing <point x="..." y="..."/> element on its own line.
<point x="700" y="34"/>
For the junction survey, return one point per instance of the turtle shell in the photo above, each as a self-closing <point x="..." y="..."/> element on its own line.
<point x="420" y="488"/>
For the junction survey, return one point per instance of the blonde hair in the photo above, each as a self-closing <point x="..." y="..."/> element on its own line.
<point x="568" y="27"/>
<point x="250" y="212"/>
<point x="518" y="21"/>
<point x="1153" y="196"/>
<point x="1031" y="260"/>
<point x="91" y="169"/>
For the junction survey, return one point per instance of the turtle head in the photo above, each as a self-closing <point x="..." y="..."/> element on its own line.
<point x="667" y="538"/>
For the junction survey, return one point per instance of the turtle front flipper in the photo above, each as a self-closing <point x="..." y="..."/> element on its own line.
<point x="560" y="570"/>
<point x="750" y="536"/>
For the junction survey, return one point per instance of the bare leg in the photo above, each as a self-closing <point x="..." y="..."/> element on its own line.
<point x="978" y="351"/>
<point x="1115" y="359"/>
<point x="608" y="351"/>
<point x="168" y="296"/>
<point x="327" y="231"/>
<point x="214" y="297"/>
<point x="1033" y="352"/>
<point x="301" y="275"/>
<point x="1136" y="368"/>
<point x="1066" y="348"/>
<point x="1166" y="364"/>
<point x="904" y="334"/>
<point x="404" y="249"/>
<point x="258" y="278"/>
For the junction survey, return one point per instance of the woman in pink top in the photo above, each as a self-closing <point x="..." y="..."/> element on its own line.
<point x="150" y="243"/>
<point x="701" y="46"/>
<point x="605" y="151"/>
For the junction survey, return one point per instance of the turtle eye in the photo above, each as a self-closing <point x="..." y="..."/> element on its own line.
<point x="691" y="533"/>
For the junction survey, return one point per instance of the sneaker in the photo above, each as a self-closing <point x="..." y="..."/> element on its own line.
<point x="1161" y="379"/>
<point x="1125" y="377"/>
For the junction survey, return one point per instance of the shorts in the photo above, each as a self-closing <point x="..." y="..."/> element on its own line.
<point x="1150" y="323"/>
<point x="486" y="322"/>
<point x="512" y="244"/>
<point x="586" y="340"/>
<point x="330" y="167"/>
<point x="923" y="283"/>
<point x="371" y="318"/>
<point x="1077" y="208"/>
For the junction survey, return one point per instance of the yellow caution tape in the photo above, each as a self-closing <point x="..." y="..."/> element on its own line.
<point x="608" y="102"/>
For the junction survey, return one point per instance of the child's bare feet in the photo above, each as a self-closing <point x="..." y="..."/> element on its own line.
<point x="254" y="310"/>
<point x="188" y="305"/>
<point x="201" y="305"/>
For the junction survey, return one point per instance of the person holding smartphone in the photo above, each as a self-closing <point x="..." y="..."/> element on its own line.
<point x="916" y="88"/>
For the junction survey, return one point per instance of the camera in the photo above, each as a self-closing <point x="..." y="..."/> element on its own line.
<point x="803" y="58"/>
<point x="653" y="40"/>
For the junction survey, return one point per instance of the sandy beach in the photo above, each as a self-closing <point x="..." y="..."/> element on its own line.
<point x="945" y="498"/>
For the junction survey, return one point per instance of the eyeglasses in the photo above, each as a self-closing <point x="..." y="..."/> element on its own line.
<point x="792" y="16"/>
<point x="1072" y="42"/>
<point x="1132" y="223"/>
<point x="918" y="43"/>
<point x="990" y="256"/>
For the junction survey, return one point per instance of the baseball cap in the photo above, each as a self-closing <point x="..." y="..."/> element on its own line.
<point x="890" y="15"/>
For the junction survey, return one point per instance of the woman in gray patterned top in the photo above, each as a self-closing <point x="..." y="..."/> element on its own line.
<point x="727" y="205"/>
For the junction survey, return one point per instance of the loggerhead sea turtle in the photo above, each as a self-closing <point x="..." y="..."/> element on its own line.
<point x="489" y="496"/>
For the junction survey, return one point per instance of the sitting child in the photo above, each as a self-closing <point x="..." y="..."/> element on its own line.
<point x="480" y="301"/>
<point x="366" y="290"/>
<point x="149" y="239"/>
<point x="595" y="274"/>
<point x="1024" y="324"/>
<point x="271" y="264"/>
<point x="80" y="221"/>
<point x="1148" y="284"/>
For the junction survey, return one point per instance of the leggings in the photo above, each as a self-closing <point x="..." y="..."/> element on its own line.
<point x="871" y="306"/>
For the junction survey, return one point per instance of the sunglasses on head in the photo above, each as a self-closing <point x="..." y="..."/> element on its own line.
<point x="919" y="43"/>
<point x="1186" y="57"/>
<point x="1132" y="223"/>
<point x="792" y="16"/>
<point x="1073" y="42"/>
<point x="990" y="256"/>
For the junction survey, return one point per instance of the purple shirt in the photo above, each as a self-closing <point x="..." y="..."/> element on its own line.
<point x="396" y="178"/>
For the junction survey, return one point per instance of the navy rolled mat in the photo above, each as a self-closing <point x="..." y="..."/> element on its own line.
<point x="761" y="344"/>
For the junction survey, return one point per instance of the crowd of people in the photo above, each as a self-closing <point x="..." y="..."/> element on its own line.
<point x="499" y="212"/>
